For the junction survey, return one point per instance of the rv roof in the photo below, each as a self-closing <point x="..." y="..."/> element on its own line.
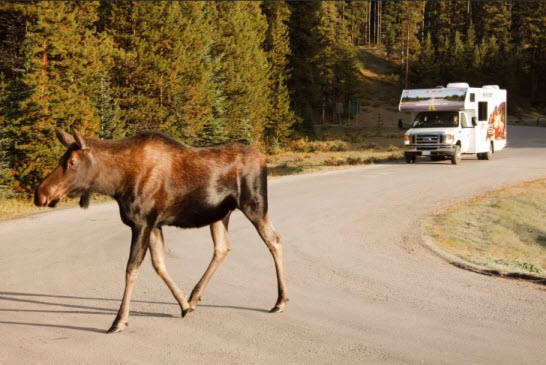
<point x="494" y="87"/>
<point x="458" y="84"/>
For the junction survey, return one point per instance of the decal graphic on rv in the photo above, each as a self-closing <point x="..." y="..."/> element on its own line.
<point x="497" y="123"/>
<point x="432" y="99"/>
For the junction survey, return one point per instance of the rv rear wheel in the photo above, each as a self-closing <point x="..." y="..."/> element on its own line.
<point x="489" y="154"/>
<point x="486" y="155"/>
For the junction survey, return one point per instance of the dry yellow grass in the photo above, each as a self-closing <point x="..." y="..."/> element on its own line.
<point x="502" y="230"/>
<point x="15" y="208"/>
<point x="12" y="208"/>
<point x="341" y="147"/>
<point x="303" y="162"/>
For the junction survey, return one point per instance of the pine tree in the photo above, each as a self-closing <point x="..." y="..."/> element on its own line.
<point x="426" y="68"/>
<point x="195" y="95"/>
<point x="198" y="104"/>
<point x="5" y="141"/>
<point x="140" y="66"/>
<point x="64" y="58"/>
<point x="346" y="64"/>
<point x="280" y="118"/>
<point x="307" y="100"/>
<point x="529" y="22"/>
<point x="437" y="22"/>
<point x="13" y="18"/>
<point x="409" y="16"/>
<point x="243" y="71"/>
<point x="357" y="14"/>
<point x="457" y="64"/>
<point x="323" y="59"/>
<point x="108" y="111"/>
<point x="164" y="73"/>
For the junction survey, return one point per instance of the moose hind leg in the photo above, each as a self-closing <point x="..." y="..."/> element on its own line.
<point x="219" y="232"/>
<point x="157" y="251"/>
<point x="139" y="246"/>
<point x="274" y="243"/>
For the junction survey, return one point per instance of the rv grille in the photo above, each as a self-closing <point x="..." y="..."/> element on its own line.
<point x="428" y="139"/>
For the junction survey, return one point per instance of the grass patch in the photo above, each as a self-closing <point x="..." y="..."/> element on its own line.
<point x="339" y="147"/>
<point x="11" y="208"/>
<point x="299" y="162"/>
<point x="502" y="230"/>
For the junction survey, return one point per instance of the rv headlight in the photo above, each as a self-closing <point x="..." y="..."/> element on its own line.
<point x="407" y="140"/>
<point x="450" y="138"/>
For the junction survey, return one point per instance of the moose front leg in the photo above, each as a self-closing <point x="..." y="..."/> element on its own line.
<point x="139" y="245"/>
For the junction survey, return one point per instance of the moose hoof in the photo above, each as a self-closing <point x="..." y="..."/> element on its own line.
<point x="276" y="309"/>
<point x="114" y="329"/>
<point x="186" y="311"/>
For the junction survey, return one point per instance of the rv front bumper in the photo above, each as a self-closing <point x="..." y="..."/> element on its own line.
<point x="430" y="150"/>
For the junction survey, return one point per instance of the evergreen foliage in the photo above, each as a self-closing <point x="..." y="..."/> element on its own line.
<point x="247" y="71"/>
<point x="63" y="58"/>
<point x="279" y="118"/>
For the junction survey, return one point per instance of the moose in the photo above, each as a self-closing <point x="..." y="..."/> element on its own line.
<point x="158" y="181"/>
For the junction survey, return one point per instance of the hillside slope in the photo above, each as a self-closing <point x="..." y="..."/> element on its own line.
<point x="382" y="86"/>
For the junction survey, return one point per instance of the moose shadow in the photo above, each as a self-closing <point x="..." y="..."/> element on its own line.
<point x="71" y="306"/>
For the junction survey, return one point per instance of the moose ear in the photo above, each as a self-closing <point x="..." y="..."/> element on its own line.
<point x="65" y="138"/>
<point x="79" y="139"/>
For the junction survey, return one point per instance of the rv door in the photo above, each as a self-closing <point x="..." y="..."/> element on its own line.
<point x="466" y="134"/>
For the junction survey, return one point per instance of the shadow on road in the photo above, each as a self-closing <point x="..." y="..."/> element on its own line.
<point x="44" y="306"/>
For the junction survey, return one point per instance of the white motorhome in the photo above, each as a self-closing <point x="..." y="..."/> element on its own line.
<point x="448" y="122"/>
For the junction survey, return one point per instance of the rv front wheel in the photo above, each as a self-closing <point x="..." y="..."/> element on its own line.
<point x="456" y="158"/>
<point x="410" y="158"/>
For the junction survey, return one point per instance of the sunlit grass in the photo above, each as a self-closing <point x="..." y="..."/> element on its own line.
<point x="299" y="162"/>
<point x="344" y="148"/>
<point x="11" y="208"/>
<point x="502" y="230"/>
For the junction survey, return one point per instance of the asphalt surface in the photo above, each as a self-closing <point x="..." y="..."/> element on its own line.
<point x="362" y="286"/>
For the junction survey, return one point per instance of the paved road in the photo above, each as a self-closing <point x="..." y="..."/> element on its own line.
<point x="362" y="287"/>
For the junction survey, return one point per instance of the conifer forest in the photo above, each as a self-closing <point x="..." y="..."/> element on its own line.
<point x="255" y="72"/>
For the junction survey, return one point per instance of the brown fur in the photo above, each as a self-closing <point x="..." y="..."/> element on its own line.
<point x="158" y="181"/>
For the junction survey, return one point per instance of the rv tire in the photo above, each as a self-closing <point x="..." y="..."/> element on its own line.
<point x="410" y="157"/>
<point x="489" y="154"/>
<point x="456" y="157"/>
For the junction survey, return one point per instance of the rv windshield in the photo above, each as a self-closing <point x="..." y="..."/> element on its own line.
<point x="436" y="120"/>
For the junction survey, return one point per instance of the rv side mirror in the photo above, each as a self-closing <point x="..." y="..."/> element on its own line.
<point x="474" y="121"/>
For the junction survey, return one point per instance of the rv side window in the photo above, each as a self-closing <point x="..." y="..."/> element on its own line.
<point x="464" y="122"/>
<point x="482" y="110"/>
<point x="472" y="97"/>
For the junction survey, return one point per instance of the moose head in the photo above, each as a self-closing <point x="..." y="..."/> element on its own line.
<point x="74" y="175"/>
